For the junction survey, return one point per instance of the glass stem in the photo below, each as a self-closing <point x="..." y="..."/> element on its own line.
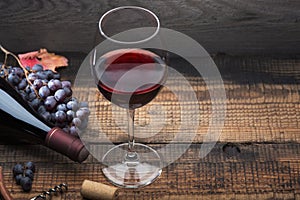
<point x="131" y="152"/>
<point x="131" y="158"/>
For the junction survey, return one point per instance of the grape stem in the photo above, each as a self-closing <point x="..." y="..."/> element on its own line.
<point x="6" y="52"/>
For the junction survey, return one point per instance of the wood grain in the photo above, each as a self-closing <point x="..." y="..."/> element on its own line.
<point x="256" y="157"/>
<point x="262" y="104"/>
<point x="264" y="171"/>
<point x="234" y="27"/>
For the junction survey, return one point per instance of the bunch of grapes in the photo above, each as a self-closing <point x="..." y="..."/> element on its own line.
<point x="24" y="175"/>
<point x="49" y="96"/>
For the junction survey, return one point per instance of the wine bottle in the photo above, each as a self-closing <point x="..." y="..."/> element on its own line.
<point x="19" y="122"/>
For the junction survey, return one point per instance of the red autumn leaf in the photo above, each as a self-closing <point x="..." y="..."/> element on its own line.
<point x="43" y="57"/>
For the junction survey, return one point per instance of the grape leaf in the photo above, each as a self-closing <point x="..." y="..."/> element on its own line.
<point x="48" y="60"/>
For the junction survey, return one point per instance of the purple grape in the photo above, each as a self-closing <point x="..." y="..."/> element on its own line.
<point x="84" y="124"/>
<point x="66" y="84"/>
<point x="38" y="83"/>
<point x="35" y="103"/>
<point x="28" y="89"/>
<point x="72" y="105"/>
<point x="60" y="116"/>
<point x="53" y="117"/>
<point x="26" y="183"/>
<point x="50" y="103"/>
<point x="30" y="165"/>
<point x="22" y="85"/>
<point x="44" y="92"/>
<point x="74" y="131"/>
<point x="70" y="115"/>
<point x="32" y="76"/>
<point x="9" y="69"/>
<point x="46" y="115"/>
<point x="31" y="96"/>
<point x="76" y="122"/>
<point x="81" y="114"/>
<point x="18" y="71"/>
<point x="42" y="75"/>
<point x="41" y="109"/>
<point x="18" y="169"/>
<point x="68" y="91"/>
<point x="86" y="110"/>
<point x="60" y="95"/>
<point x="62" y="107"/>
<point x="54" y="85"/>
<point x="45" y="82"/>
<point x="37" y="68"/>
<point x="24" y="95"/>
<point x="18" y="178"/>
<point x="49" y="74"/>
<point x="29" y="173"/>
<point x="13" y="79"/>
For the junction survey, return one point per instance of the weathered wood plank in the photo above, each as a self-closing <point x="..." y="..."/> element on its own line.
<point x="265" y="171"/>
<point x="262" y="104"/>
<point x="236" y="27"/>
<point x="262" y="162"/>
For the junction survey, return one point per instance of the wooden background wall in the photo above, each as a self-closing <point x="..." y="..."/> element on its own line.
<point x="229" y="26"/>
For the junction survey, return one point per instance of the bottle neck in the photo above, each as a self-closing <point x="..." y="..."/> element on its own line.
<point x="66" y="144"/>
<point x="13" y="107"/>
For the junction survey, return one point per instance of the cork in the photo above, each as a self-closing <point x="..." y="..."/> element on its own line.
<point x="98" y="191"/>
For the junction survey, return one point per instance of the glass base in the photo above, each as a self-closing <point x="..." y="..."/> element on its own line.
<point x="132" y="170"/>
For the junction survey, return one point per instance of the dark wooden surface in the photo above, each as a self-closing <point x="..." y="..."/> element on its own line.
<point x="256" y="157"/>
<point x="233" y="27"/>
<point x="258" y="171"/>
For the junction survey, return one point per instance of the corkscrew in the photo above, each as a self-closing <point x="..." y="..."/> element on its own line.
<point x="61" y="188"/>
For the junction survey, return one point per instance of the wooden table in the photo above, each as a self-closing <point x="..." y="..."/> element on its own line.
<point x="256" y="48"/>
<point x="256" y="157"/>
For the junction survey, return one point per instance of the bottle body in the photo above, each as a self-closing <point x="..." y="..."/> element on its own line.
<point x="14" y="131"/>
<point x="20" y="123"/>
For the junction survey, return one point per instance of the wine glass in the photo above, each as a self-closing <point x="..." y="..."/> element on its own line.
<point x="130" y="77"/>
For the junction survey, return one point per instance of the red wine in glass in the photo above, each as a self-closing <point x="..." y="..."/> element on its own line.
<point x="130" y="78"/>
